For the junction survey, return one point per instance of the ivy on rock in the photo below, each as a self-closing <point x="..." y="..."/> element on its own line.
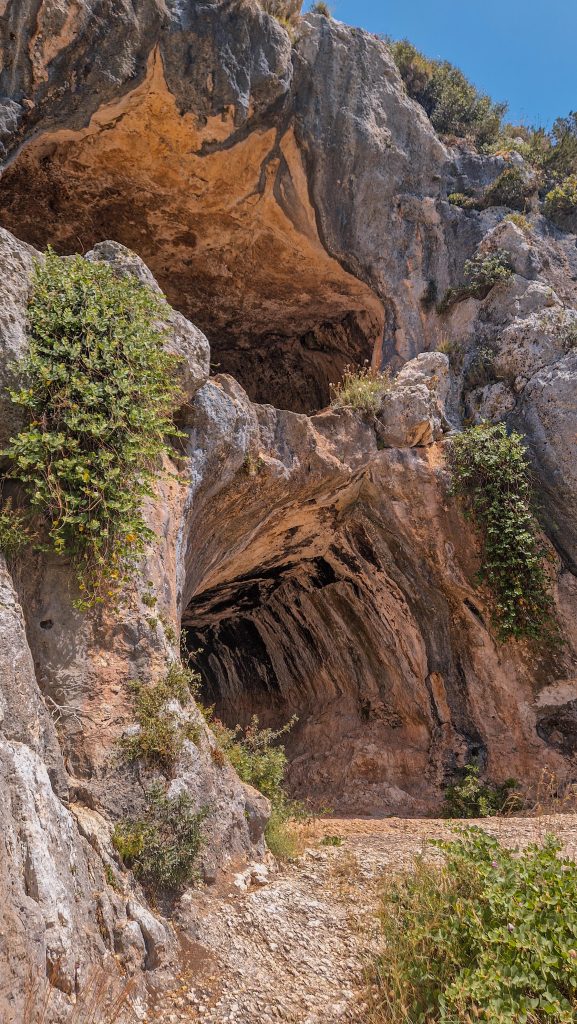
<point x="491" y="474"/>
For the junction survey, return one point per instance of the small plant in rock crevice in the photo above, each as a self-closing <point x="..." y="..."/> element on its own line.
<point x="521" y="221"/>
<point x="162" y="729"/>
<point x="361" y="388"/>
<point x="16" y="532"/>
<point x="491" y="475"/>
<point x="481" y="274"/>
<point x="561" y="202"/>
<point x="511" y="189"/>
<point x="486" y="934"/>
<point x="473" y="798"/>
<point x="162" y="845"/>
<point x="97" y="389"/>
<point x="261" y="761"/>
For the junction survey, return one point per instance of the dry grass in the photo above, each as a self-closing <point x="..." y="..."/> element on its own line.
<point x="551" y="796"/>
<point x="361" y="388"/>
<point x="105" y="999"/>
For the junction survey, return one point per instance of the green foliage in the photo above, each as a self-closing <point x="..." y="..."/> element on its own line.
<point x="488" y="935"/>
<point x="361" y="388"/>
<point x="491" y="475"/>
<point x="15" y="530"/>
<point x="332" y="841"/>
<point x="453" y="104"/>
<point x="260" y="760"/>
<point x="162" y="729"/>
<point x="561" y="202"/>
<point x="255" y="754"/>
<point x="481" y="273"/>
<point x="162" y="846"/>
<point x="510" y="189"/>
<point x="521" y="221"/>
<point x="98" y="389"/>
<point x="110" y="877"/>
<point x="471" y="798"/>
<point x="464" y="201"/>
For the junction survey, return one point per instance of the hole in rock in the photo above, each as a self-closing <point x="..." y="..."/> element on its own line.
<point x="227" y="228"/>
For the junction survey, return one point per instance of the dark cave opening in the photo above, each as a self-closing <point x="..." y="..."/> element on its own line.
<point x="240" y="637"/>
<point x="282" y="316"/>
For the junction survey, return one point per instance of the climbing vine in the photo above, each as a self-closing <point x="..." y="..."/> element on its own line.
<point x="97" y="388"/>
<point x="491" y="474"/>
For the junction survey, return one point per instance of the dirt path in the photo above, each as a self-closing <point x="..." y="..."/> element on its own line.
<point x="293" y="950"/>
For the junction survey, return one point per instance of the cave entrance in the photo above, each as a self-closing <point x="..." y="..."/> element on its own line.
<point x="319" y="639"/>
<point x="224" y="220"/>
<point x="257" y="644"/>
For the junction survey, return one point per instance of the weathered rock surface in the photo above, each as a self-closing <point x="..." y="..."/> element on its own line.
<point x="293" y="210"/>
<point x="290" y="200"/>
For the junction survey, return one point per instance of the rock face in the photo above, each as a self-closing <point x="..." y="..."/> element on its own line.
<point x="290" y="200"/>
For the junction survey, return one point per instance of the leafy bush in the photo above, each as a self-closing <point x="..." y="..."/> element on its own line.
<point x="464" y="201"/>
<point x="488" y="935"/>
<point x="510" y="189"/>
<point x="453" y="104"/>
<point x="471" y="798"/>
<point x="361" y="388"/>
<point x="481" y="273"/>
<point x="162" y="846"/>
<point x="491" y="474"/>
<point x="260" y="760"/>
<point x="521" y="221"/>
<point x="561" y="202"/>
<point x="162" y="731"/>
<point x="15" y="531"/>
<point x="331" y="841"/>
<point x="98" y="389"/>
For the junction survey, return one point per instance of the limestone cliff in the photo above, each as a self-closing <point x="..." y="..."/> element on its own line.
<point x="291" y="202"/>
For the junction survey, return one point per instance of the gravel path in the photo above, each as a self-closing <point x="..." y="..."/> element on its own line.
<point x="293" y="950"/>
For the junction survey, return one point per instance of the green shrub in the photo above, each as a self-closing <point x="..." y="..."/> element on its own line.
<point x="332" y="841"/>
<point x="561" y="202"/>
<point x="453" y="104"/>
<point x="521" y="221"/>
<point x="361" y="388"/>
<point x="553" y="154"/>
<point x="471" y="798"/>
<point x="491" y="475"/>
<point x="464" y="201"/>
<point x="510" y="189"/>
<point x="321" y="8"/>
<point x="15" y="530"/>
<point x="487" y="935"/>
<point x="162" y="846"/>
<point x="481" y="273"/>
<point x="162" y="731"/>
<point x="261" y="761"/>
<point x="98" y="389"/>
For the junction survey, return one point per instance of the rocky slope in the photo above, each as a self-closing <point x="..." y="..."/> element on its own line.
<point x="291" y="202"/>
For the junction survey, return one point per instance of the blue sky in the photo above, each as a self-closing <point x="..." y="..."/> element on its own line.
<point x="521" y="51"/>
